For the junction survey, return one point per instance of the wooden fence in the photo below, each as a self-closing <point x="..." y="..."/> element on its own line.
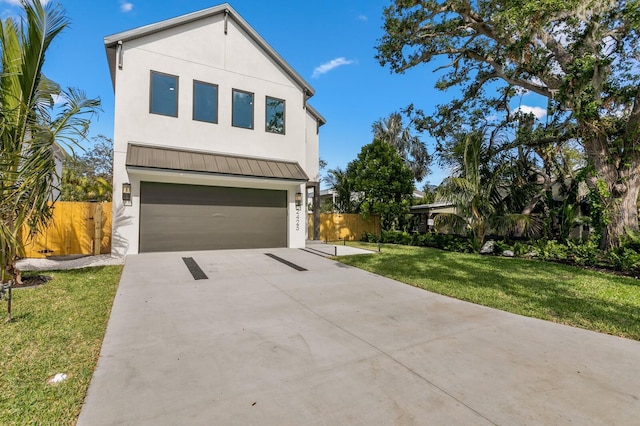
<point x="334" y="226"/>
<point x="76" y="228"/>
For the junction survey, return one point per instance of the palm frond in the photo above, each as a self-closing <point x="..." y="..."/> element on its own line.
<point x="445" y="222"/>
<point x="522" y="224"/>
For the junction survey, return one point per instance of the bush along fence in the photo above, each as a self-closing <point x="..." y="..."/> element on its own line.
<point x="350" y="227"/>
<point x="580" y="253"/>
<point x="76" y="228"/>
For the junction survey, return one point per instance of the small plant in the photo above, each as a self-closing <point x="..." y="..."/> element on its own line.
<point x="584" y="252"/>
<point x="550" y="250"/>
<point x="500" y="246"/>
<point x="370" y="238"/>
<point x="624" y="259"/>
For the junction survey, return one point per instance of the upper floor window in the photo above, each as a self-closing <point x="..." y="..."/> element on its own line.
<point x="242" y="114"/>
<point x="164" y="94"/>
<point x="275" y="115"/>
<point x="205" y="102"/>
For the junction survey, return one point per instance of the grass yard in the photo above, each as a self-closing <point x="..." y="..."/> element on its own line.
<point x="56" y="328"/>
<point x="565" y="294"/>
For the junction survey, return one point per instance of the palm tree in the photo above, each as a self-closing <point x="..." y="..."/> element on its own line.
<point x="28" y="131"/>
<point x="479" y="189"/>
<point x="337" y="180"/>
<point x="410" y="148"/>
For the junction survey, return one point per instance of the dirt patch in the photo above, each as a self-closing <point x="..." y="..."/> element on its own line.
<point x="32" y="281"/>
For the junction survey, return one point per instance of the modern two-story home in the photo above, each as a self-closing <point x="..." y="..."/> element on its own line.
<point x="215" y="144"/>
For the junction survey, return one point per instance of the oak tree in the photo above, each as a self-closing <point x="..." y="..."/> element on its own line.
<point x="583" y="56"/>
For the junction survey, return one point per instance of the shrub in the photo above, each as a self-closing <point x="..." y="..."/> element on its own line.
<point x="624" y="259"/>
<point x="550" y="250"/>
<point x="499" y="247"/>
<point x="522" y="249"/>
<point x="396" y="237"/>
<point x="584" y="252"/>
<point x="370" y="238"/>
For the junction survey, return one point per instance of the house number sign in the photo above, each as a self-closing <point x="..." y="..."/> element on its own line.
<point x="297" y="220"/>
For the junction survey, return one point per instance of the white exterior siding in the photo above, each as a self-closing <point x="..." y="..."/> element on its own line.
<point x="135" y="123"/>
<point x="312" y="161"/>
<point x="200" y="51"/>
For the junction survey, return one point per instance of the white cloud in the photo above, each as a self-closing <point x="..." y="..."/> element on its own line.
<point x="126" y="6"/>
<point x="538" y="112"/>
<point x="332" y="64"/>
<point x="363" y="18"/>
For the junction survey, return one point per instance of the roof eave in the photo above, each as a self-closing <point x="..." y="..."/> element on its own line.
<point x="316" y="115"/>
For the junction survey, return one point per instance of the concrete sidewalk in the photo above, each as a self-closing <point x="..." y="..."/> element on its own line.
<point x="68" y="262"/>
<point x="261" y="343"/>
<point x="327" y="250"/>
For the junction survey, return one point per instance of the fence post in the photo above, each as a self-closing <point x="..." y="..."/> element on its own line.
<point x="97" y="229"/>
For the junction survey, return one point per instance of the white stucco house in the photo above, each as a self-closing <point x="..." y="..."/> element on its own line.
<point x="215" y="144"/>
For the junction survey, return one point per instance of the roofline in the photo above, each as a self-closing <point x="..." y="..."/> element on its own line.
<point x="111" y="42"/>
<point x="435" y="205"/>
<point x="60" y="151"/>
<point x="316" y="115"/>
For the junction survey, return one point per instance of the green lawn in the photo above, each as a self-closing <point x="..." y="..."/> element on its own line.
<point x="569" y="295"/>
<point x="57" y="328"/>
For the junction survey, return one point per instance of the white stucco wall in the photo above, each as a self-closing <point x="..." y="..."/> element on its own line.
<point x="312" y="148"/>
<point x="201" y="51"/>
<point x="232" y="62"/>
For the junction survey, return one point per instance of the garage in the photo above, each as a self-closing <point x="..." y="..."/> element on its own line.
<point x="179" y="217"/>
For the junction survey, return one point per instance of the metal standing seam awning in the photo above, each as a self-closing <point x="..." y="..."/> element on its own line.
<point x="172" y="159"/>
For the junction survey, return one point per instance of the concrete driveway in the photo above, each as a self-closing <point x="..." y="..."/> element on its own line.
<point x="261" y="343"/>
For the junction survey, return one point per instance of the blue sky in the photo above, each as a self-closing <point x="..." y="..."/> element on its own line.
<point x="331" y="43"/>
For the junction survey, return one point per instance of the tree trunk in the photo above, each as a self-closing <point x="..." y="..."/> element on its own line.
<point x="622" y="216"/>
<point x="623" y="184"/>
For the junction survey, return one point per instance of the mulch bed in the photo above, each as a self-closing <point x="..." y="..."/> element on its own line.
<point x="32" y="281"/>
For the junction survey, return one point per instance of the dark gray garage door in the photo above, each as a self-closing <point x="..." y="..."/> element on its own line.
<point x="192" y="217"/>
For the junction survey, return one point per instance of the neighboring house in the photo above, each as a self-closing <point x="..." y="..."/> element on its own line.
<point x="330" y="196"/>
<point x="215" y="144"/>
<point x="427" y="213"/>
<point x="418" y="195"/>
<point x="578" y="222"/>
<point x="59" y="156"/>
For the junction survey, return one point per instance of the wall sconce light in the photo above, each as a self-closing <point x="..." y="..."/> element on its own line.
<point x="126" y="193"/>
<point x="298" y="200"/>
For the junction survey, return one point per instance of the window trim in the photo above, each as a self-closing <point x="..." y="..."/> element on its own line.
<point x="151" y="93"/>
<point x="253" y="109"/>
<point x="193" y="106"/>
<point x="284" y="115"/>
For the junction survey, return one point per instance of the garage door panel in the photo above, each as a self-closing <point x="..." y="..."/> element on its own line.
<point x="161" y="193"/>
<point x="185" y="217"/>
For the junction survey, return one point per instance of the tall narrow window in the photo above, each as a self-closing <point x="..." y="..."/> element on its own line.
<point x="275" y="115"/>
<point x="164" y="94"/>
<point x="205" y="102"/>
<point x="242" y="109"/>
